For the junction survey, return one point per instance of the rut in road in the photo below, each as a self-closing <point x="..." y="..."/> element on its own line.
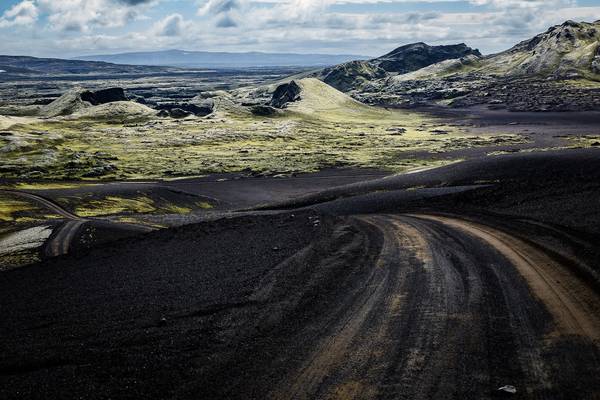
<point x="435" y="312"/>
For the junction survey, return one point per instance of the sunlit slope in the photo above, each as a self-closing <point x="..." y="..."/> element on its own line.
<point x="116" y="112"/>
<point x="322" y="101"/>
<point x="562" y="50"/>
<point x="569" y="50"/>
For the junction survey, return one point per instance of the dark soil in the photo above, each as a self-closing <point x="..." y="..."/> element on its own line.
<point x="342" y="293"/>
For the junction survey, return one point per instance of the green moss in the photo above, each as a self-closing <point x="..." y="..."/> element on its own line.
<point x="139" y="221"/>
<point x="327" y="129"/>
<point x="10" y="206"/>
<point x="583" y="141"/>
<point x="204" y="205"/>
<point x="175" y="209"/>
<point x="46" y="185"/>
<point x="112" y="205"/>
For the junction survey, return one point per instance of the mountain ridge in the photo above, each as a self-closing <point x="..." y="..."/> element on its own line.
<point x="36" y="65"/>
<point x="211" y="59"/>
<point x="555" y="70"/>
<point x="404" y="59"/>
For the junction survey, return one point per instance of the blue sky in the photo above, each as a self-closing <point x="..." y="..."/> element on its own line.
<point x="67" y="28"/>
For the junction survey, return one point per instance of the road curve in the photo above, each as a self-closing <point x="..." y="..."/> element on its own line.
<point x="447" y="309"/>
<point x="52" y="206"/>
<point x="575" y="307"/>
<point x="378" y="306"/>
<point x="61" y="240"/>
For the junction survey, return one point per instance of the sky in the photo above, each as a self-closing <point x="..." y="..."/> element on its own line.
<point x="69" y="28"/>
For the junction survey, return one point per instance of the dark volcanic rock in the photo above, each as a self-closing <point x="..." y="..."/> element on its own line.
<point x="419" y="55"/>
<point x="286" y="93"/>
<point x="528" y="94"/>
<point x="104" y="96"/>
<point x="179" y="113"/>
<point x="596" y="62"/>
<point x="351" y="75"/>
<point x="199" y="109"/>
<point x="263" y="110"/>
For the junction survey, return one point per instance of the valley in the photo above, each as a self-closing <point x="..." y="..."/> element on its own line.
<point x="419" y="225"/>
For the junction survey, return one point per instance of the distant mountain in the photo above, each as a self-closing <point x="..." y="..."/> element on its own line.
<point x="567" y="50"/>
<point x="404" y="59"/>
<point x="557" y="70"/>
<point x="206" y="59"/>
<point x="419" y="55"/>
<point x="54" y="66"/>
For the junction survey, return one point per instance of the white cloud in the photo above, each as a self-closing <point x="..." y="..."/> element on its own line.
<point x="83" y="15"/>
<point x="282" y="25"/>
<point x="522" y="3"/>
<point x="172" y="25"/>
<point x="23" y="13"/>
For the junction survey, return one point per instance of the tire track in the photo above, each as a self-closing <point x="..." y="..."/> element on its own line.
<point x="60" y="244"/>
<point x="440" y="303"/>
<point x="331" y="371"/>
<point x="573" y="304"/>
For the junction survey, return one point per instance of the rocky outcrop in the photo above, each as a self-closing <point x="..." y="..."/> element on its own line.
<point x="198" y="108"/>
<point x="595" y="67"/>
<point x="534" y="75"/>
<point x="78" y="99"/>
<point x="284" y="94"/>
<point x="356" y="75"/>
<point x="262" y="110"/>
<point x="419" y="55"/>
<point x="104" y="96"/>
<point x="179" y="113"/>
<point x="352" y="75"/>
<point x="563" y="51"/>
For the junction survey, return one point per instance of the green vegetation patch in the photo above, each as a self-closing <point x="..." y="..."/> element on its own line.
<point x="140" y="204"/>
<point x="14" y="209"/>
<point x="112" y="205"/>
<point x="584" y="140"/>
<point x="325" y="129"/>
<point x="46" y="185"/>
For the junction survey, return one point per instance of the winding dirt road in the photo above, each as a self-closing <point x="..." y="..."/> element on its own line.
<point x="60" y="241"/>
<point x="62" y="238"/>
<point x="49" y="204"/>
<point x="449" y="309"/>
<point x="377" y="306"/>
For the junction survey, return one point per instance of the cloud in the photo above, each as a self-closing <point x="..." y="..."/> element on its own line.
<point x="226" y="21"/>
<point x="172" y="25"/>
<point x="84" y="15"/>
<point x="276" y="25"/>
<point x="511" y="4"/>
<point x="134" y="2"/>
<point x="216" y="7"/>
<point x="23" y="13"/>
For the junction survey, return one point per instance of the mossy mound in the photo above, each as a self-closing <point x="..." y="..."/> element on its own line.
<point x="120" y="111"/>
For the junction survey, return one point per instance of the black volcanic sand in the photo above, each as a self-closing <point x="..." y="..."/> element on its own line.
<point x="346" y="293"/>
<point x="542" y="130"/>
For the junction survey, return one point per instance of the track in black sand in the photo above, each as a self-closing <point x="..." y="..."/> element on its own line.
<point x="485" y="277"/>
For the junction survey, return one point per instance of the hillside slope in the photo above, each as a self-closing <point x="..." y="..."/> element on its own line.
<point x="23" y="65"/>
<point x="402" y="60"/>
<point x="567" y="50"/>
<point x="556" y="70"/>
